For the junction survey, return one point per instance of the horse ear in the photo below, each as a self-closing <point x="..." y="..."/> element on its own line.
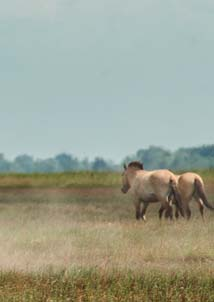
<point x="124" y="166"/>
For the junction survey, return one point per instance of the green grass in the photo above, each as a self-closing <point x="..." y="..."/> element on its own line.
<point x="73" y="179"/>
<point x="91" y="285"/>
<point x="60" y="180"/>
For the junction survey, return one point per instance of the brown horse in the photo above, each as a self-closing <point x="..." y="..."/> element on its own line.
<point x="150" y="186"/>
<point x="191" y="186"/>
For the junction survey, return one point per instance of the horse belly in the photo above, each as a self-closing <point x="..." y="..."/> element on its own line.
<point x="144" y="189"/>
<point x="147" y="194"/>
<point x="152" y="198"/>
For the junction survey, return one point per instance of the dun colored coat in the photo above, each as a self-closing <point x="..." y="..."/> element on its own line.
<point x="150" y="186"/>
<point x="191" y="186"/>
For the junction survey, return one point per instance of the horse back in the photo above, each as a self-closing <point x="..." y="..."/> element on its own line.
<point x="162" y="177"/>
<point x="156" y="182"/>
<point x="186" y="184"/>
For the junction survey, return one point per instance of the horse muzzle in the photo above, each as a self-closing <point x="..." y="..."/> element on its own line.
<point x="124" y="190"/>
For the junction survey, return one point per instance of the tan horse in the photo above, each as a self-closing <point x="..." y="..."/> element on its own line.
<point x="150" y="186"/>
<point x="191" y="186"/>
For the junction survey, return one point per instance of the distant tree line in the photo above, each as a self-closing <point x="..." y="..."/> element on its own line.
<point x="61" y="163"/>
<point x="152" y="157"/>
<point x="182" y="159"/>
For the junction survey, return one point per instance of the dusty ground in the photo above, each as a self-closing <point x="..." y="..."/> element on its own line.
<point x="62" y="229"/>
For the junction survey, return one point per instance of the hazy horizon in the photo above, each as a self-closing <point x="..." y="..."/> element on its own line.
<point x="132" y="155"/>
<point x="105" y="78"/>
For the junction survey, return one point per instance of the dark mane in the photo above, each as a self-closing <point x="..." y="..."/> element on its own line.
<point x="136" y="164"/>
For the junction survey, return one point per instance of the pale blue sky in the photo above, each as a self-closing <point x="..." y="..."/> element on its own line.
<point x="105" y="77"/>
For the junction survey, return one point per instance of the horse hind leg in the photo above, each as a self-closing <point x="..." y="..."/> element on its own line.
<point x="176" y="209"/>
<point x="166" y="205"/>
<point x="201" y="206"/>
<point x="169" y="212"/>
<point x="175" y="195"/>
<point x="176" y="212"/>
<point x="162" y="208"/>
<point x="187" y="210"/>
<point x="145" y="206"/>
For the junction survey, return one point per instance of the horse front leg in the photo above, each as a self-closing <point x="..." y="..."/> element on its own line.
<point x="143" y="213"/>
<point x="137" y="203"/>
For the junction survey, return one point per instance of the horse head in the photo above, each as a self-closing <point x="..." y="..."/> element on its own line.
<point x="132" y="166"/>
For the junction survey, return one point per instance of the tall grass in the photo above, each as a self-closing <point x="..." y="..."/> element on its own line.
<point x="91" y="285"/>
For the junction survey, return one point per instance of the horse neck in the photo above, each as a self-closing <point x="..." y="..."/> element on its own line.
<point x="131" y="176"/>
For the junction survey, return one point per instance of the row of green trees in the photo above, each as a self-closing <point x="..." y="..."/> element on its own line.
<point x="152" y="157"/>
<point x="181" y="159"/>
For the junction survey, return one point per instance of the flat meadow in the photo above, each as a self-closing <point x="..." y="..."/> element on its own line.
<point x="74" y="237"/>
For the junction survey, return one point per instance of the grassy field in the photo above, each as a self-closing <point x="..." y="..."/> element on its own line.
<point x="72" y="179"/>
<point x="80" y="242"/>
<point x="60" y="180"/>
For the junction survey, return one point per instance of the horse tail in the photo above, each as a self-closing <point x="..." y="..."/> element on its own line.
<point x="177" y="197"/>
<point x="199" y="189"/>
